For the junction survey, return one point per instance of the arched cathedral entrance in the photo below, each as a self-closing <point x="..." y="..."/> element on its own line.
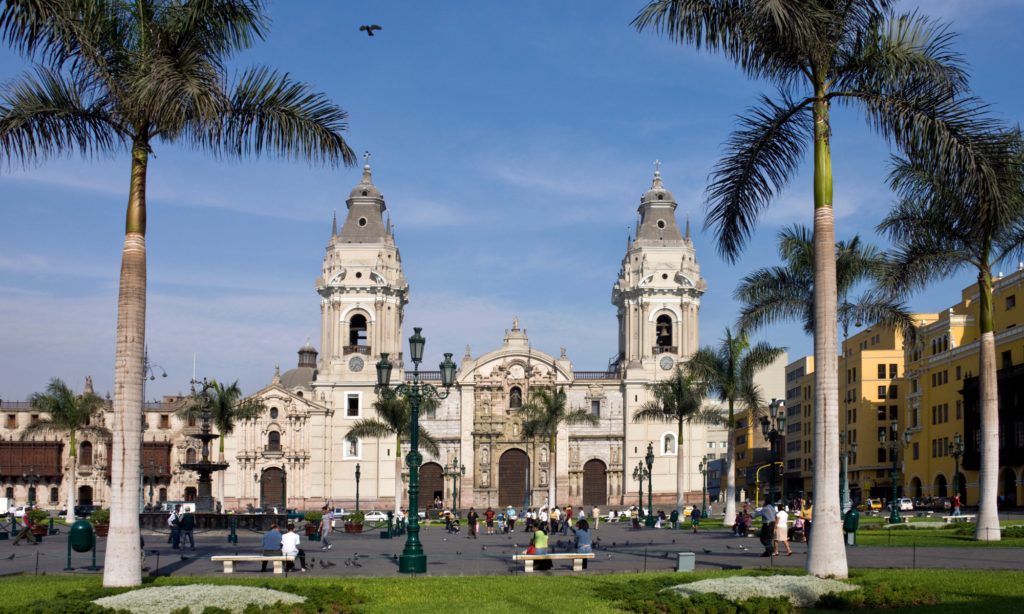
<point x="595" y="484"/>
<point x="512" y="470"/>
<point x="431" y="484"/>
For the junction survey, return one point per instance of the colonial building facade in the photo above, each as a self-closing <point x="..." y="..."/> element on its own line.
<point x="298" y="452"/>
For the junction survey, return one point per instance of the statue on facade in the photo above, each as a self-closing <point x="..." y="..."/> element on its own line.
<point x="515" y="323"/>
<point x="485" y="456"/>
<point x="544" y="455"/>
<point x="484" y="479"/>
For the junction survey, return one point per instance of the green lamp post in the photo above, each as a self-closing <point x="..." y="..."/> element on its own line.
<point x="640" y="473"/>
<point x="649" y="521"/>
<point x="844" y="482"/>
<point x="357" y="487"/>
<point x="894" y="445"/>
<point x="413" y="560"/>
<point x="703" y="468"/>
<point x="31" y="478"/>
<point x="956" y="450"/>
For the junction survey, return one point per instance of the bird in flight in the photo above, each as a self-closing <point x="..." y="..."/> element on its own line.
<point x="369" y="29"/>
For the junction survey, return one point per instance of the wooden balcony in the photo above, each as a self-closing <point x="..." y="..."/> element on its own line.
<point x="42" y="457"/>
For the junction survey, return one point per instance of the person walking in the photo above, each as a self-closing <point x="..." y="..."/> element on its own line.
<point x="290" y="547"/>
<point x="26" y="531"/>
<point x="186" y="530"/>
<point x="595" y="513"/>
<point x="271" y="544"/>
<point x="767" y="515"/>
<point x="326" y="526"/>
<point x="782" y="531"/>
<point x="807" y="513"/>
<point x="568" y="520"/>
<point x="956" y="504"/>
<point x="584" y="543"/>
<point x="471" y="520"/>
<point x="510" y="520"/>
<point x="174" y="521"/>
<point x="489" y="519"/>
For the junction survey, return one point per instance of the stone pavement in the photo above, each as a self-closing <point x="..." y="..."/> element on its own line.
<point x="620" y="551"/>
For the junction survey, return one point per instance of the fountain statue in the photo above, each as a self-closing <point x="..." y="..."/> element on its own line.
<point x="205" y="467"/>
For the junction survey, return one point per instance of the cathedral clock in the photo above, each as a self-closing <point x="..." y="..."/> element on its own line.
<point x="356" y="364"/>
<point x="666" y="362"/>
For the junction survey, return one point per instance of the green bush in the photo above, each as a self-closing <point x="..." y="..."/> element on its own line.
<point x="38" y="516"/>
<point x="647" y="596"/>
<point x="313" y="516"/>
<point x="842" y="601"/>
<point x="210" y="609"/>
<point x="355" y="517"/>
<point x="765" y="605"/>
<point x="100" y="517"/>
<point x="886" y="596"/>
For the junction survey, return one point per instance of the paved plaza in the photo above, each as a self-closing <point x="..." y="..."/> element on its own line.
<point x="620" y="550"/>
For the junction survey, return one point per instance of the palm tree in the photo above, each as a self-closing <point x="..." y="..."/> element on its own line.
<point x="780" y="293"/>
<point x="546" y="412"/>
<point x="67" y="415"/>
<point x="122" y="75"/>
<point x="680" y="399"/>
<point x="901" y="74"/>
<point x="942" y="225"/>
<point x="394" y="419"/>
<point x="227" y="407"/>
<point x="728" y="371"/>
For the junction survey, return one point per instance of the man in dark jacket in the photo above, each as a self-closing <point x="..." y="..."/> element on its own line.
<point x="768" y="516"/>
<point x="185" y="528"/>
<point x="271" y="544"/>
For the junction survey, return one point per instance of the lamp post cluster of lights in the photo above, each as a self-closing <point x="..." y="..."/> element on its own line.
<point x="413" y="560"/>
<point x="455" y="472"/>
<point x="773" y="430"/>
<point x="844" y="482"/>
<point x="703" y="468"/>
<point x="894" y="445"/>
<point x="641" y="473"/>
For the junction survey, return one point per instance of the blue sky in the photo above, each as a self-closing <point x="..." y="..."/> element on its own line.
<point x="511" y="142"/>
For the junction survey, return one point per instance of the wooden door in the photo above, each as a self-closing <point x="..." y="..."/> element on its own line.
<point x="431" y="484"/>
<point x="512" y="470"/>
<point x="273" y="489"/>
<point x="595" y="484"/>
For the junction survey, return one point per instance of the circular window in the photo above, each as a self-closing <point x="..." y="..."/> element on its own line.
<point x="299" y="393"/>
<point x="358" y="275"/>
<point x="661" y="223"/>
<point x="664" y="275"/>
<point x="362" y="221"/>
<point x="273" y="413"/>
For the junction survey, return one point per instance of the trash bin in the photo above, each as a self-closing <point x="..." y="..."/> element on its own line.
<point x="850" y="523"/>
<point x="687" y="561"/>
<point x="81" y="536"/>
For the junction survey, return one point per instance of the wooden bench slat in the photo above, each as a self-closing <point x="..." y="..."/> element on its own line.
<point x="280" y="557"/>
<point x="544" y="557"/>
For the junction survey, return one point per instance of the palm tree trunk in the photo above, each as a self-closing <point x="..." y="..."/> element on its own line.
<point x="826" y="554"/>
<point x="398" y="475"/>
<point x="988" y="514"/>
<point x="123" y="564"/>
<point x="730" y="472"/>
<point x="680" y="472"/>
<point x="552" y="479"/>
<point x="70" y="517"/>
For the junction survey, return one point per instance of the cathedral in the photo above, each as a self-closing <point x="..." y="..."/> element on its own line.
<point x="298" y="453"/>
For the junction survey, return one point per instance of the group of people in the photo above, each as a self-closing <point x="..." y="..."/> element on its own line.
<point x="276" y="543"/>
<point x="182" y="525"/>
<point x="775" y="529"/>
<point x="582" y="541"/>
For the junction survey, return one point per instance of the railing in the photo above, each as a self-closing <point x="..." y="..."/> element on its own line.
<point x="272" y="447"/>
<point x="15" y="405"/>
<point x="356" y="349"/>
<point x="665" y="349"/>
<point x="429" y="376"/>
<point x="597" y="375"/>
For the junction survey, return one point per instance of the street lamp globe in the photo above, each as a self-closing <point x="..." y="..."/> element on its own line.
<point x="781" y="420"/>
<point x="853" y="447"/>
<point x="447" y="371"/>
<point x="764" y="426"/>
<point x="384" y="370"/>
<point x="416" y="343"/>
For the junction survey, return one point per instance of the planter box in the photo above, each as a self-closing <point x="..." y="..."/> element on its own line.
<point x="102" y="529"/>
<point x="40" y="530"/>
<point x="351" y="527"/>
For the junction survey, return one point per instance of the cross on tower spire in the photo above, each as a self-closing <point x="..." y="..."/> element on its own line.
<point x="366" y="157"/>
<point x="656" y="165"/>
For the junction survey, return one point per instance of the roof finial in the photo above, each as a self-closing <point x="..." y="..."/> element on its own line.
<point x="366" y="156"/>
<point x="687" y="225"/>
<point x="629" y="238"/>
<point x="334" y="227"/>
<point x="657" y="173"/>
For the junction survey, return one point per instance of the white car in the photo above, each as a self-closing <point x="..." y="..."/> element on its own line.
<point x="376" y="516"/>
<point x="19" y="512"/>
<point x="339" y="517"/>
<point x="905" y="504"/>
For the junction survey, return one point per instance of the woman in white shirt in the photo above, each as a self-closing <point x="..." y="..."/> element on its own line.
<point x="290" y="547"/>
<point x="781" y="531"/>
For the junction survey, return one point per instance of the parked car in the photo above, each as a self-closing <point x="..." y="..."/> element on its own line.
<point x="376" y="516"/>
<point x="294" y="515"/>
<point x="870" y="504"/>
<point x="339" y="517"/>
<point x="905" y="504"/>
<point x="83" y="511"/>
<point x="21" y="510"/>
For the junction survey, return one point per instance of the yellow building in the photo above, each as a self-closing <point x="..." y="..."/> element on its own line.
<point x="943" y="398"/>
<point x="798" y="445"/>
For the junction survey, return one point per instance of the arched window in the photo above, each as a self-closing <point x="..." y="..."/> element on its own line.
<point x="9" y="493"/>
<point x="85" y="454"/>
<point x="273" y="413"/>
<point x="664" y="331"/>
<point x="163" y="494"/>
<point x="515" y="398"/>
<point x="190" y="493"/>
<point x="54" y="494"/>
<point x="357" y="330"/>
<point x="274" y="441"/>
<point x="668" y="444"/>
<point x="190" y="456"/>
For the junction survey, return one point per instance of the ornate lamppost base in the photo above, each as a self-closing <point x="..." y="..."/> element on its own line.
<point x="412" y="563"/>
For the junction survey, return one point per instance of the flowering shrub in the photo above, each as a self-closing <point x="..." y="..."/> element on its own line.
<point x="195" y="598"/>
<point x="802" y="591"/>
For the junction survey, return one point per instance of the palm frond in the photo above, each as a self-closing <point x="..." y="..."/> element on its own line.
<point x="760" y="159"/>
<point x="653" y="411"/>
<point x="370" y="428"/>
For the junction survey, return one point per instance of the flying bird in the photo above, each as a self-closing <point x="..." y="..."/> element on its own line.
<point x="369" y="29"/>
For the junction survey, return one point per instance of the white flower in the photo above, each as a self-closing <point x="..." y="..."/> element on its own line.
<point x="802" y="591"/>
<point x="166" y="599"/>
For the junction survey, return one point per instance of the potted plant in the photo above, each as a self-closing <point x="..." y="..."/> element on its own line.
<point x="39" y="517"/>
<point x="100" y="520"/>
<point x="313" y="520"/>
<point x="354" y="522"/>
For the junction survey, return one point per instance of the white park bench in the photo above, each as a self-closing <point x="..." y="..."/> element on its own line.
<point x="229" y="561"/>
<point x="962" y="518"/>
<point x="577" y="559"/>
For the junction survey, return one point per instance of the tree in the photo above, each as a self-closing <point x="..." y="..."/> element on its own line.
<point x="728" y="372"/>
<point x="227" y="407"/>
<point x="901" y="74"/>
<point x="780" y="293"/>
<point x="122" y="75"/>
<point x="680" y="399"/>
<point x="67" y="415"/>
<point x="943" y="223"/>
<point x="394" y="419"/>
<point x="547" y="412"/>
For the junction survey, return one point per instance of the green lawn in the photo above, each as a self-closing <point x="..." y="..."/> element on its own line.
<point x="966" y="592"/>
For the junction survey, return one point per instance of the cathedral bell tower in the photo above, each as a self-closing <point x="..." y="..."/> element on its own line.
<point x="363" y="291"/>
<point x="658" y="289"/>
